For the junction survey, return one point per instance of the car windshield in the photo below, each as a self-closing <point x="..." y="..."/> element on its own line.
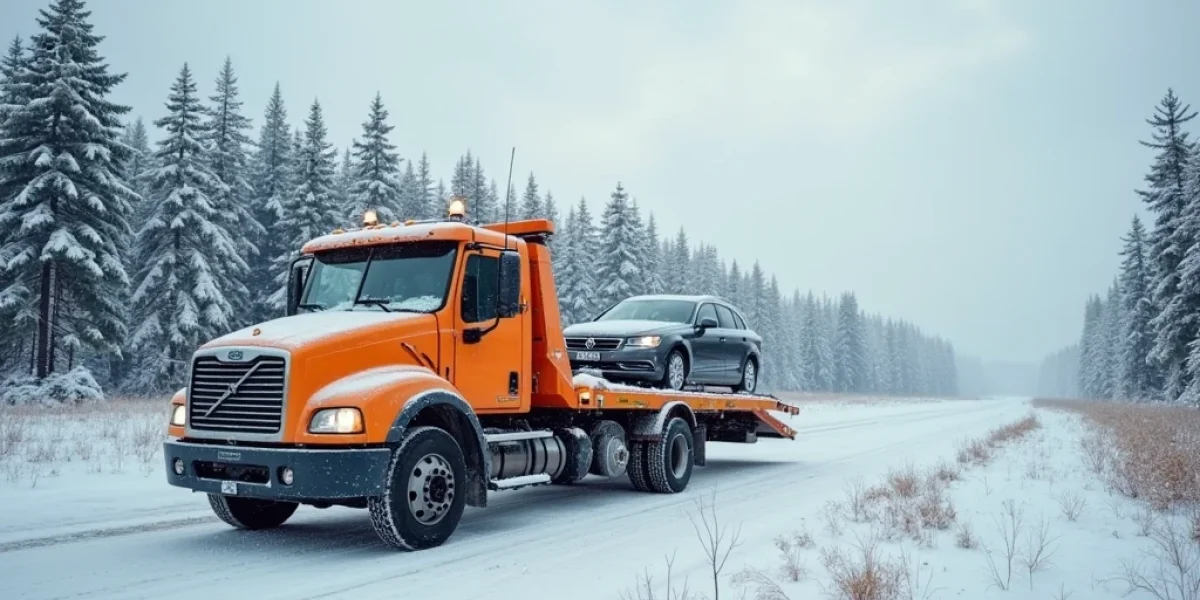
<point x="405" y="277"/>
<point x="671" y="311"/>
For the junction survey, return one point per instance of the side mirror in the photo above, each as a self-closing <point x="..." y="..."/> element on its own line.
<point x="707" y="323"/>
<point x="510" y="284"/>
<point x="297" y="277"/>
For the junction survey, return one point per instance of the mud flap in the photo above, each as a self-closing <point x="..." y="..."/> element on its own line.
<point x="700" y="435"/>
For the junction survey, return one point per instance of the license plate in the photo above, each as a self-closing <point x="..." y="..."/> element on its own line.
<point x="229" y="487"/>
<point x="592" y="356"/>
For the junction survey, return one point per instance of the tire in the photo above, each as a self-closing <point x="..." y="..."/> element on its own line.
<point x="670" y="459"/>
<point x="422" y="503"/>
<point x="749" y="381"/>
<point x="251" y="513"/>
<point x="610" y="451"/>
<point x="579" y="455"/>
<point x="675" y="360"/>
<point x="639" y="474"/>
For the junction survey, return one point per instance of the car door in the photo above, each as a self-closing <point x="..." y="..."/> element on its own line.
<point x="489" y="370"/>
<point x="734" y="346"/>
<point x="707" y="353"/>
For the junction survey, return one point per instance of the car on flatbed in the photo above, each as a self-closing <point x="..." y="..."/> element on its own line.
<point x="669" y="341"/>
<point x="420" y="367"/>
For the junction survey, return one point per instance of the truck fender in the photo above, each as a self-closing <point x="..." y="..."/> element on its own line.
<point x="650" y="427"/>
<point x="448" y="410"/>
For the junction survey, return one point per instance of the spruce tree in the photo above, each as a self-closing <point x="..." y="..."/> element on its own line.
<point x="64" y="205"/>
<point x="1139" y="381"/>
<point x="184" y="247"/>
<point x="1172" y="236"/>
<point x="376" y="174"/>
<point x="531" y="203"/>
<point x="225" y="150"/>
<point x="654" y="279"/>
<point x="427" y="202"/>
<point x="1092" y="350"/>
<point x="310" y="210"/>
<point x="13" y="93"/>
<point x="271" y="180"/>
<point x="616" y="261"/>
<point x="850" y="347"/>
<point x="579" y="283"/>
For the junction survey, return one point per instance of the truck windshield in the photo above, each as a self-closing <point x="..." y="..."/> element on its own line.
<point x="411" y="277"/>
<point x="671" y="311"/>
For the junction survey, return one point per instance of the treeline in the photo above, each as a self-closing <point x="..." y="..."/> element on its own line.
<point x="119" y="255"/>
<point x="1140" y="337"/>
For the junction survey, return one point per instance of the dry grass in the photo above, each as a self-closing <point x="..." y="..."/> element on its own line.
<point x="981" y="452"/>
<point x="863" y="574"/>
<point x="1143" y="451"/>
<point x="38" y="442"/>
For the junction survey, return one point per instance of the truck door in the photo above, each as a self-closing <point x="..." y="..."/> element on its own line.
<point x="488" y="370"/>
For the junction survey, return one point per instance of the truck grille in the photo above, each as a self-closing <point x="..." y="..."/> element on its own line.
<point x="580" y="343"/>
<point x="256" y="404"/>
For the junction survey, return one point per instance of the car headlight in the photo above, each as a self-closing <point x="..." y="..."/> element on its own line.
<point x="178" y="415"/>
<point x="336" y="420"/>
<point x="649" y="341"/>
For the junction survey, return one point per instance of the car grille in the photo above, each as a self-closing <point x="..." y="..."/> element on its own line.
<point x="255" y="407"/>
<point x="580" y="343"/>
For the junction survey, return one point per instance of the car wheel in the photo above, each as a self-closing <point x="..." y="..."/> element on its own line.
<point x="675" y="373"/>
<point x="749" y="380"/>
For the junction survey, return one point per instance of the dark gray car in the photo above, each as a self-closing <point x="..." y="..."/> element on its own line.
<point x="669" y="341"/>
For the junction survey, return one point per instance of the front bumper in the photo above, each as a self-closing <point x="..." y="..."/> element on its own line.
<point x="318" y="474"/>
<point x="640" y="364"/>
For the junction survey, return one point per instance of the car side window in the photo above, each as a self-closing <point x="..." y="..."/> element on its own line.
<point x="706" y="310"/>
<point x="479" y="291"/>
<point x="740" y="323"/>
<point x="725" y="317"/>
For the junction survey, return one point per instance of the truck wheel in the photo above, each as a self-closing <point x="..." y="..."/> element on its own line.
<point x="610" y="454"/>
<point x="422" y="502"/>
<point x="670" y="459"/>
<point x="251" y="513"/>
<point x="639" y="475"/>
<point x="579" y="455"/>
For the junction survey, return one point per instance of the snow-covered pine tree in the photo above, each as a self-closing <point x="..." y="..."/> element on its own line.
<point x="426" y="202"/>
<point x="1112" y="373"/>
<point x="225" y="146"/>
<point x="441" y="197"/>
<point x="1140" y="381"/>
<point x="343" y="181"/>
<point x="550" y="213"/>
<point x="531" y="203"/>
<point x="580" y="286"/>
<point x="616" y="264"/>
<point x="12" y="92"/>
<point x="754" y="304"/>
<point x="817" y="347"/>
<point x="139" y="161"/>
<point x="676" y="278"/>
<point x="1092" y="351"/>
<point x="409" y="194"/>
<point x="310" y="209"/>
<point x="1189" y="278"/>
<point x="1172" y="236"/>
<point x="563" y="264"/>
<point x="654" y="275"/>
<point x="462" y="180"/>
<point x="376" y="174"/>
<point x="638" y="281"/>
<point x="850" y="347"/>
<point x="63" y="202"/>
<point x="485" y="203"/>
<point x="733" y="285"/>
<point x="271" y="180"/>
<point x="184" y="248"/>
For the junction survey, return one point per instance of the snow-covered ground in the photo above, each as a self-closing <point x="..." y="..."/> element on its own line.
<point x="86" y="516"/>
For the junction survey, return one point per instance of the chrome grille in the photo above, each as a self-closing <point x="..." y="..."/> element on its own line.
<point x="255" y="405"/>
<point x="580" y="343"/>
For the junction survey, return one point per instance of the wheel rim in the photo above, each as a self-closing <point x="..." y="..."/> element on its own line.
<point x="679" y="456"/>
<point x="618" y="455"/>
<point x="675" y="371"/>
<point x="430" y="489"/>
<point x="750" y="376"/>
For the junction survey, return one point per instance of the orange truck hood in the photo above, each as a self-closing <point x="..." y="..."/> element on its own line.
<point x="313" y="333"/>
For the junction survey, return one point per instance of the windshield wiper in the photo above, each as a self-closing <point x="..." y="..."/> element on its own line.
<point x="380" y="302"/>
<point x="310" y="306"/>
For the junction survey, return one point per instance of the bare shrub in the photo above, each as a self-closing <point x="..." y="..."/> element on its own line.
<point x="914" y="588"/>
<point x="1095" y="451"/>
<point x="791" y="550"/>
<point x="716" y="540"/>
<point x="904" y="482"/>
<point x="964" y="537"/>
<point x="947" y="472"/>
<point x="974" y="452"/>
<point x="833" y="514"/>
<point x="935" y="509"/>
<point x="1008" y="525"/>
<point x="1146" y="519"/>
<point x="1194" y="519"/>
<point x="764" y="587"/>
<point x="1037" y="550"/>
<point x="862" y="575"/>
<point x="1174" y="571"/>
<point x="1071" y="504"/>
<point x="644" y="590"/>
<point x="12" y="433"/>
<point x="857" y="501"/>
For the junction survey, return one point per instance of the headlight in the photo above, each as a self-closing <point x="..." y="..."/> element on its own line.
<point x="649" y="341"/>
<point x="178" y="415"/>
<point x="336" y="420"/>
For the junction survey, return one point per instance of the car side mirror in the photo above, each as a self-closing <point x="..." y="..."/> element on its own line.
<point x="297" y="277"/>
<point x="707" y="323"/>
<point x="510" y="284"/>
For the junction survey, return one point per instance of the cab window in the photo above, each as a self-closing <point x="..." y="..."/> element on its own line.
<point x="479" y="291"/>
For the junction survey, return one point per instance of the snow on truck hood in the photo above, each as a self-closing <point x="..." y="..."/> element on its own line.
<point x="308" y="328"/>
<point x="620" y="328"/>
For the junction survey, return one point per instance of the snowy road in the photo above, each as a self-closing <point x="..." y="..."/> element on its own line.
<point x="592" y="539"/>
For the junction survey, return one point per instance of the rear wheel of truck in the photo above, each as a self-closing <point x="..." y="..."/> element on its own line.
<point x="423" y="495"/>
<point x="664" y="465"/>
<point x="251" y="513"/>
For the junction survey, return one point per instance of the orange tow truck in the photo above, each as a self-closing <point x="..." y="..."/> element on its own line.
<point x="420" y="366"/>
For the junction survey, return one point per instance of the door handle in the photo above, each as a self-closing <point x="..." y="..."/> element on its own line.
<point x="721" y="339"/>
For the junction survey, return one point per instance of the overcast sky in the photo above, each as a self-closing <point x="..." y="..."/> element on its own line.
<point x="968" y="165"/>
